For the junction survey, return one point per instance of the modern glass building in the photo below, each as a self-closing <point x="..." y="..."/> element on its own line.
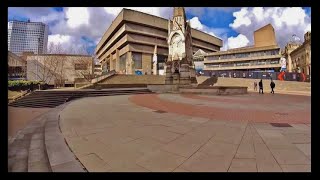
<point x="27" y="37"/>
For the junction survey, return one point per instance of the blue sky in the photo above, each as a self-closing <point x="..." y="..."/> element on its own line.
<point x="72" y="27"/>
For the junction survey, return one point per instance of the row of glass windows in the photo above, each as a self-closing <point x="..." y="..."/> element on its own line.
<point x="25" y="40"/>
<point x="26" y="30"/>
<point x="245" y="63"/>
<point x="137" y="59"/>
<point x="244" y="55"/>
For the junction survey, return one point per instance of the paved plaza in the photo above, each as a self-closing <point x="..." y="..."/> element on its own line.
<point x="190" y="133"/>
<point x="18" y="118"/>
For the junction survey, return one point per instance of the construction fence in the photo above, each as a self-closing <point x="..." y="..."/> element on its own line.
<point x="284" y="76"/>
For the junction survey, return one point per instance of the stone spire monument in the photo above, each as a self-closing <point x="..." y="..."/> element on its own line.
<point x="179" y="66"/>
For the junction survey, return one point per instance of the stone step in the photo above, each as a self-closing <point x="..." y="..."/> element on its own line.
<point x="38" y="103"/>
<point x="40" y="100"/>
<point x="61" y="159"/>
<point x="18" y="150"/>
<point x="52" y="99"/>
<point x="37" y="157"/>
<point x="33" y="106"/>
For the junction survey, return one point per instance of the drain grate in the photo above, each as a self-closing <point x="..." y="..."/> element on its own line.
<point x="160" y="111"/>
<point x="280" y="125"/>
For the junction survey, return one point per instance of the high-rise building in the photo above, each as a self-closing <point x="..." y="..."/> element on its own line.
<point x="27" y="37"/>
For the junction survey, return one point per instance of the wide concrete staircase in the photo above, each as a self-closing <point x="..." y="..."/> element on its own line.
<point x="41" y="147"/>
<point x="53" y="98"/>
<point x="290" y="86"/>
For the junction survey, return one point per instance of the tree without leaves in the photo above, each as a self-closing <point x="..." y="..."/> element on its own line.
<point x="55" y="66"/>
<point x="83" y="67"/>
<point x="49" y="67"/>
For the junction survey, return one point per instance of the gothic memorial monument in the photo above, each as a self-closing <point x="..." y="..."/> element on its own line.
<point x="179" y="65"/>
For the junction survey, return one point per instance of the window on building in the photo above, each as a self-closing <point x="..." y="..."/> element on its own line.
<point x="213" y="58"/>
<point x="80" y="66"/>
<point x="161" y="61"/>
<point x="123" y="60"/>
<point x="137" y="59"/>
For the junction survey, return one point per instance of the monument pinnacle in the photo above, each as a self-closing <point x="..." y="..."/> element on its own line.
<point x="179" y="11"/>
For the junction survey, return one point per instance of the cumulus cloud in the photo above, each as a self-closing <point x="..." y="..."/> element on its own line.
<point x="196" y="24"/>
<point x="237" y="42"/>
<point x="286" y="22"/>
<point x="58" y="39"/>
<point x="77" y="16"/>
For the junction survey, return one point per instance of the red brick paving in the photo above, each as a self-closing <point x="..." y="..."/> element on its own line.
<point x="265" y="98"/>
<point x="18" y="118"/>
<point x="152" y="101"/>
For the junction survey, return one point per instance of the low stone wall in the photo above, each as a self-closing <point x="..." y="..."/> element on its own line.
<point x="280" y="85"/>
<point x="218" y="90"/>
<point x="134" y="79"/>
<point x="213" y="90"/>
<point x="82" y="85"/>
<point x="163" y="88"/>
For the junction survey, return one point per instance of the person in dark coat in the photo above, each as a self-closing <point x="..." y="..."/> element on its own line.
<point x="272" y="85"/>
<point x="260" y="86"/>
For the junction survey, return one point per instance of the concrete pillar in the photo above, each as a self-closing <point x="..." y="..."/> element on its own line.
<point x="117" y="58"/>
<point x="146" y="63"/>
<point x="289" y="63"/>
<point x="129" y="64"/>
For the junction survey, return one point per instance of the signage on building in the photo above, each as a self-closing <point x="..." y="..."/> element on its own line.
<point x="283" y="63"/>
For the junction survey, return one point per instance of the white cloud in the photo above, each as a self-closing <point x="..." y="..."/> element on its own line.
<point x="308" y="28"/>
<point x="258" y="12"/>
<point x="77" y="16"/>
<point x="58" y="39"/>
<point x="286" y="22"/>
<point x="241" y="18"/>
<point x="237" y="42"/>
<point x="195" y="23"/>
<point x="293" y="16"/>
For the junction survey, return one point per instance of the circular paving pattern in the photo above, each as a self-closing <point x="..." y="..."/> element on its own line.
<point x="190" y="133"/>
<point x="252" y="107"/>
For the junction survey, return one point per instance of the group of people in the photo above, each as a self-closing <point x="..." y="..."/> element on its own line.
<point x="272" y="86"/>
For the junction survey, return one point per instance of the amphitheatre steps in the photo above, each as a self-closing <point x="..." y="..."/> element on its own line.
<point x="52" y="98"/>
<point x="26" y="153"/>
<point x="40" y="147"/>
<point x="280" y="85"/>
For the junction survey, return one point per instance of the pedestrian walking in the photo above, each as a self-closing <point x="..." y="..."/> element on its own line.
<point x="260" y="86"/>
<point x="272" y="85"/>
<point x="255" y="85"/>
